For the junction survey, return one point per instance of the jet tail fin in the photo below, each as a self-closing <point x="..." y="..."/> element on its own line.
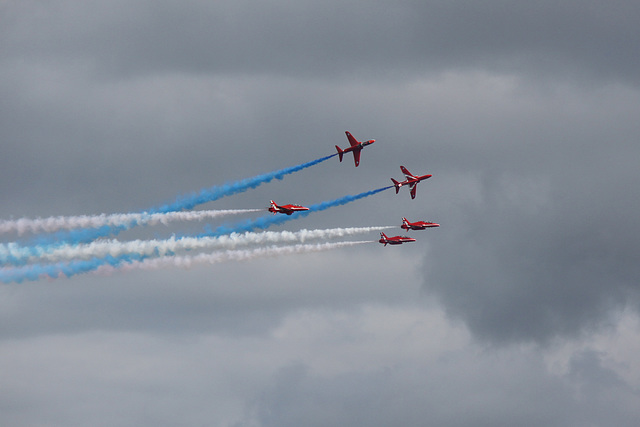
<point x="340" y="152"/>
<point x="397" y="185"/>
<point x="383" y="239"/>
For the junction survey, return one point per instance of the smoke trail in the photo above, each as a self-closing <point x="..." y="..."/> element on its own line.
<point x="114" y="248"/>
<point x="111" y="264"/>
<point x="16" y="254"/>
<point x="52" y="224"/>
<point x="188" y="201"/>
<point x="11" y="275"/>
<point x="267" y="221"/>
<point x="230" y="255"/>
<point x="62" y="269"/>
<point x="191" y="200"/>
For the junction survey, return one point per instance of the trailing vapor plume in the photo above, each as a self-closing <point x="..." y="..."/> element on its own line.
<point x="267" y="221"/>
<point x="188" y="201"/>
<point x="34" y="272"/>
<point x="16" y="254"/>
<point x="133" y="261"/>
<point x="191" y="200"/>
<point x="52" y="224"/>
<point x="229" y="255"/>
<point x="115" y="248"/>
<point x="82" y="266"/>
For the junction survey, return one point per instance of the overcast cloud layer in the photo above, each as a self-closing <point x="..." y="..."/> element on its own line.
<point x="521" y="309"/>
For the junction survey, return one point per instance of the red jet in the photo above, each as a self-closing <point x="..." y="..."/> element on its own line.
<point x="396" y="240"/>
<point x="356" y="147"/>
<point x="286" y="209"/>
<point x="412" y="181"/>
<point x="418" y="225"/>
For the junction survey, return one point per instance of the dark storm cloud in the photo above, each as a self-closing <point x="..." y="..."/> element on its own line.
<point x="334" y="38"/>
<point x="545" y="243"/>
<point x="535" y="190"/>
<point x="523" y="275"/>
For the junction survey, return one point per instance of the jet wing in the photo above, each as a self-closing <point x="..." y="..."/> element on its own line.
<point x="351" y="139"/>
<point x="356" y="157"/>
<point x="406" y="172"/>
<point x="413" y="191"/>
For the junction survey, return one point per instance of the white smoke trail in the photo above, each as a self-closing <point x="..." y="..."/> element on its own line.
<point x="229" y="255"/>
<point x="51" y="224"/>
<point x="115" y="248"/>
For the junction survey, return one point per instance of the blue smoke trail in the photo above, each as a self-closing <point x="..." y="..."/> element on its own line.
<point x="189" y="201"/>
<point x="45" y="244"/>
<point x="68" y="269"/>
<point x="265" y="222"/>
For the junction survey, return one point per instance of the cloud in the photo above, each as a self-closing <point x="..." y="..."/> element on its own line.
<point x="332" y="39"/>
<point x="528" y="270"/>
<point x="524" y="112"/>
<point x="533" y="247"/>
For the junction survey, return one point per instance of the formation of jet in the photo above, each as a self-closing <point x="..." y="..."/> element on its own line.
<point x="285" y="209"/>
<point x="356" y="147"/>
<point x="395" y="240"/>
<point x="418" y="225"/>
<point x="411" y="180"/>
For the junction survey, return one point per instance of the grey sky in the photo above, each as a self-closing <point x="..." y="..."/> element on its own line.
<point x="521" y="309"/>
